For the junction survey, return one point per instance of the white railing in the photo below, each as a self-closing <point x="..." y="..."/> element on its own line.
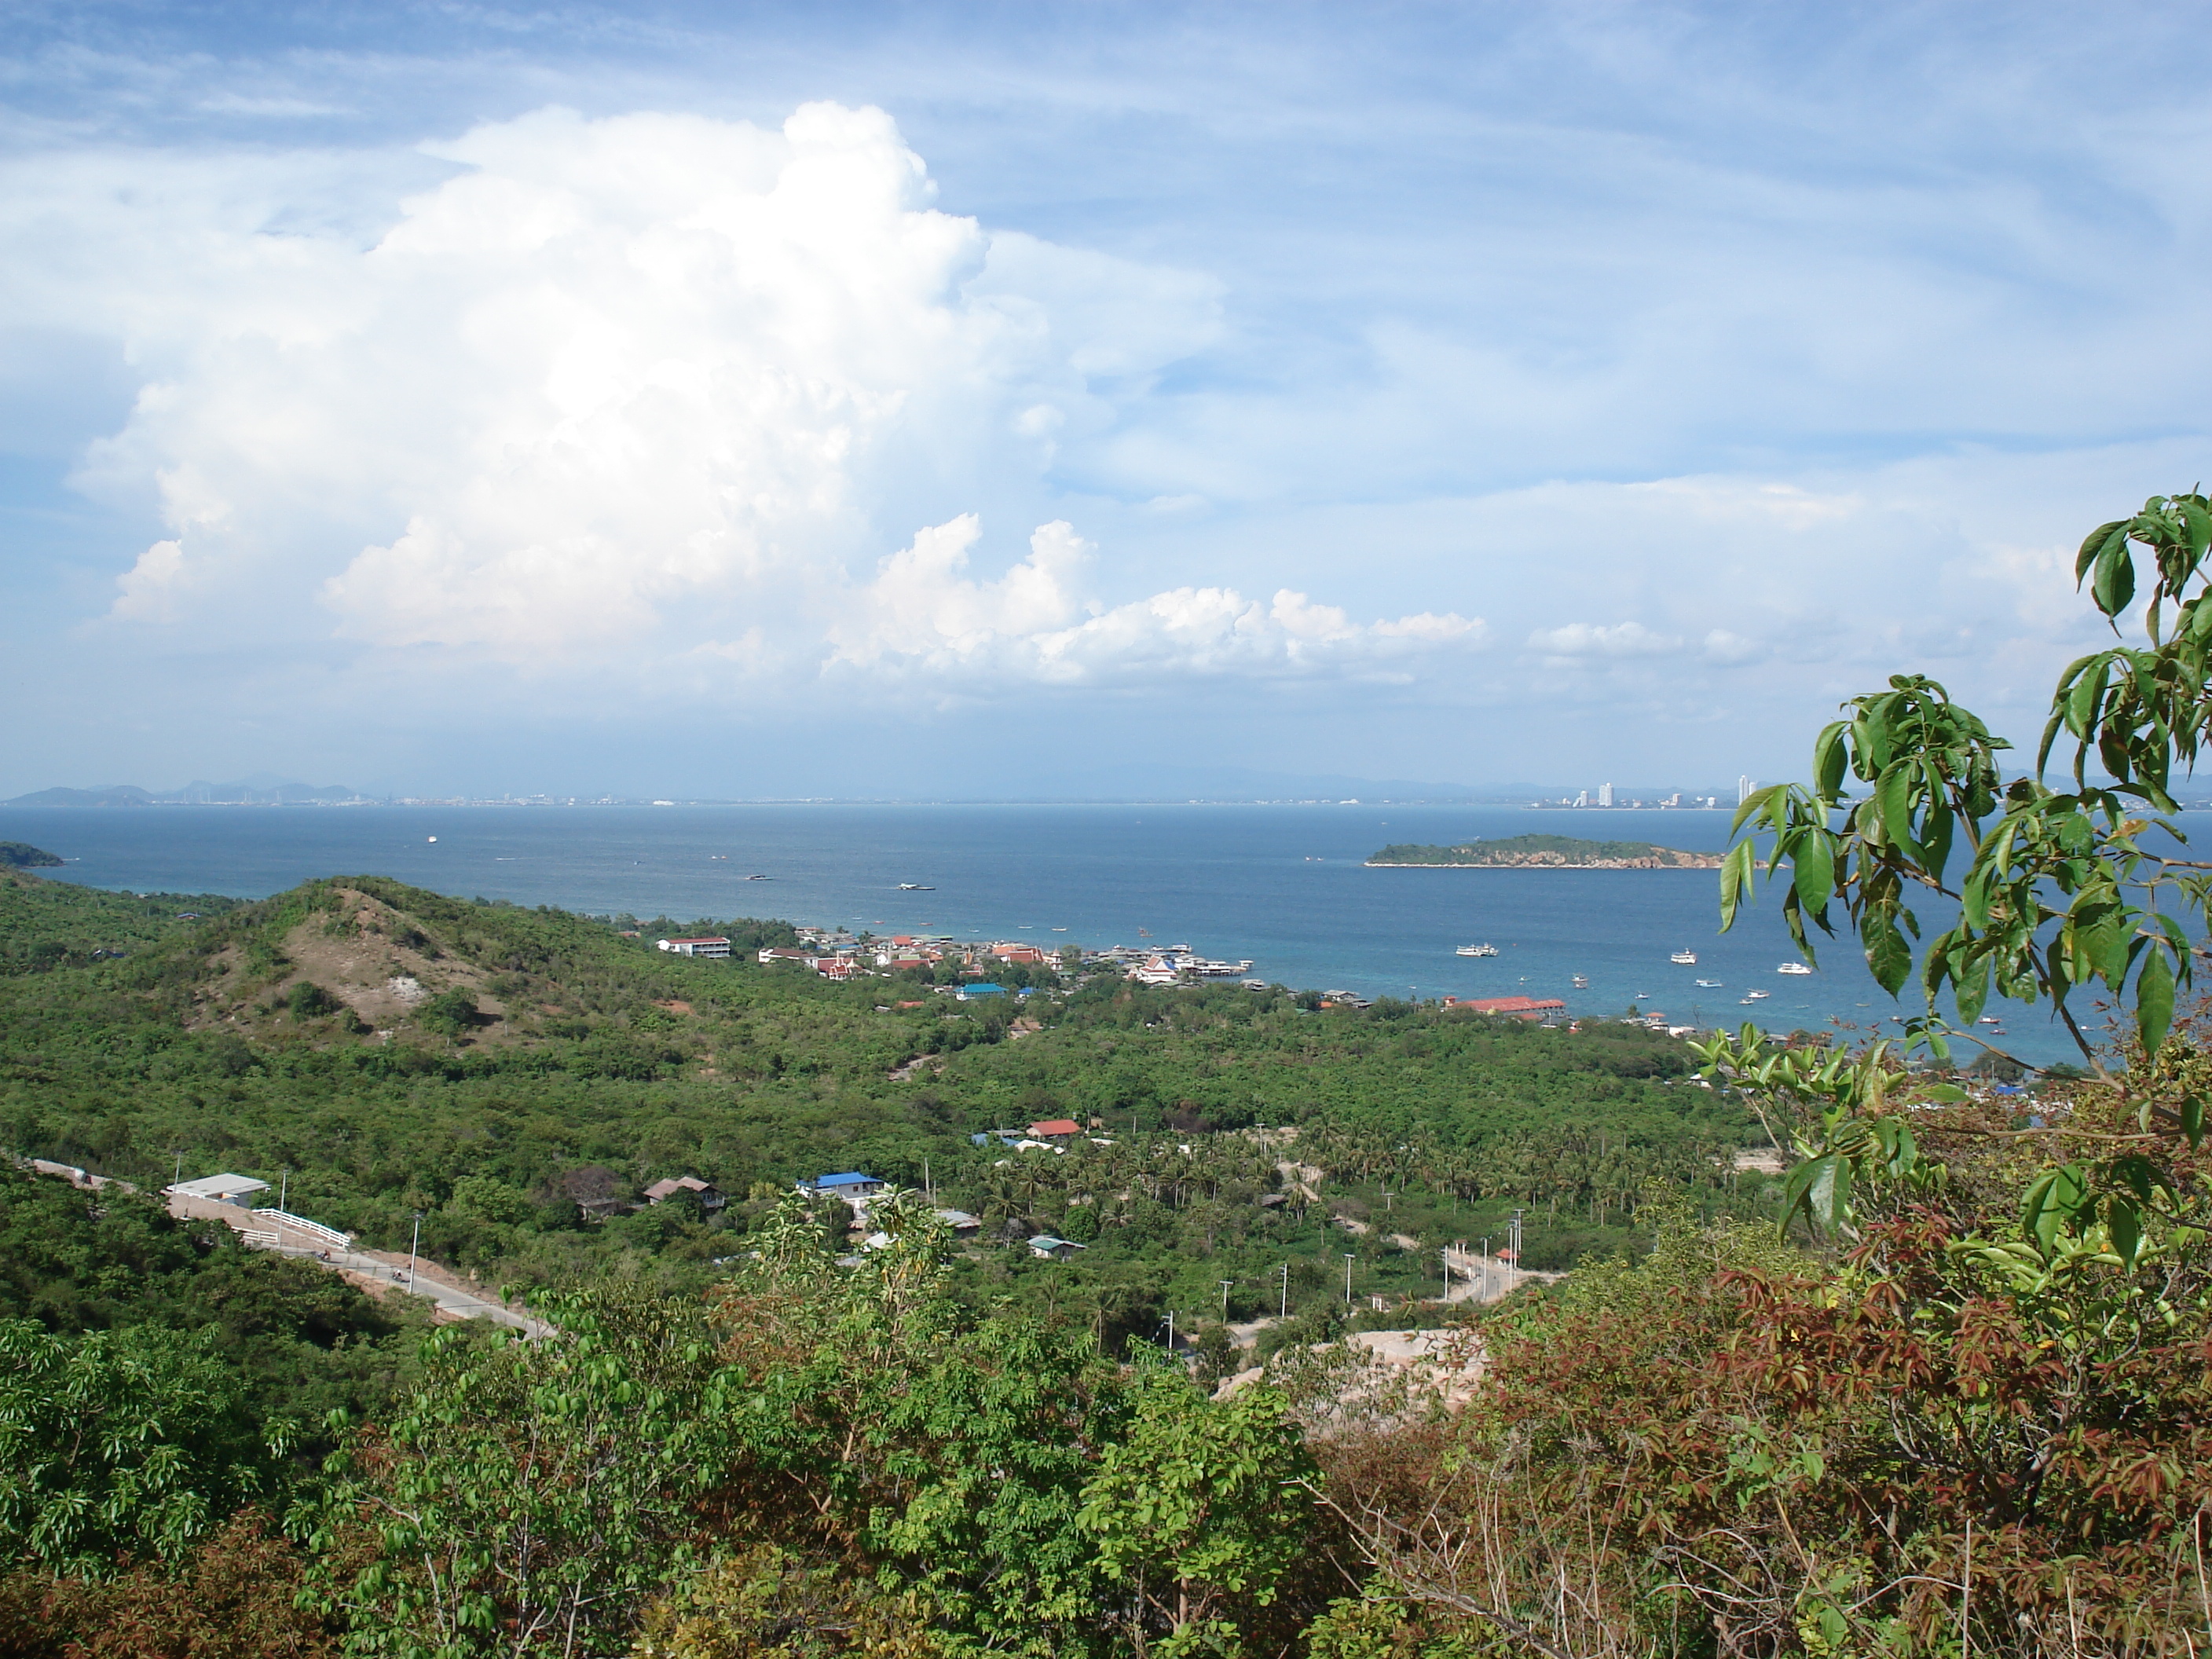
<point x="278" y="1227"/>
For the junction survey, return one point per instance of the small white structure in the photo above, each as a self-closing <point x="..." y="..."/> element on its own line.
<point x="223" y="1188"/>
<point x="716" y="946"/>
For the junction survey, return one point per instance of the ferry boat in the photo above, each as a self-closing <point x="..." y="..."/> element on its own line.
<point x="1794" y="968"/>
<point x="1478" y="950"/>
<point x="1686" y="958"/>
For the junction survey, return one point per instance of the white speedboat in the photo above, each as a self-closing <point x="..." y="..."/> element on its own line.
<point x="915" y="887"/>
<point x="1794" y="968"/>
<point x="1686" y="958"/>
<point x="1757" y="996"/>
<point x="1708" y="984"/>
<point x="1478" y="950"/>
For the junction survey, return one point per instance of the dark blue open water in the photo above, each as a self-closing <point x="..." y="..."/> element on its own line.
<point x="1284" y="885"/>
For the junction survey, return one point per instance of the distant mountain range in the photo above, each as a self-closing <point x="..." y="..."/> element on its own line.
<point x="248" y="792"/>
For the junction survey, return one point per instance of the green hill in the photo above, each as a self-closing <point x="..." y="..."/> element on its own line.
<point x="1542" y="852"/>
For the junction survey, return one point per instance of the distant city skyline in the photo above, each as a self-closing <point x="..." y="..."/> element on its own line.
<point x="843" y="400"/>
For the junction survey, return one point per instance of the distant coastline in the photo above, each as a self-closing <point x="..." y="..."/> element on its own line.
<point x="1542" y="853"/>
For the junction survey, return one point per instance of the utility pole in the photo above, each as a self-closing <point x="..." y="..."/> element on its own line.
<point x="1513" y="1273"/>
<point x="1171" y="1333"/>
<point x="179" y="1177"/>
<point x="927" y="1192"/>
<point x="1447" y="1252"/>
<point x="413" y="1246"/>
<point x="1286" y="1290"/>
<point x="1486" y="1267"/>
<point x="1347" y="1281"/>
<point x="283" y="1191"/>
<point x="1226" y="1285"/>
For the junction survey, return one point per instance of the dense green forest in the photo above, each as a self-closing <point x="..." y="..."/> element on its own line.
<point x="548" y="1055"/>
<point x="1547" y="851"/>
<point x="752" y="1434"/>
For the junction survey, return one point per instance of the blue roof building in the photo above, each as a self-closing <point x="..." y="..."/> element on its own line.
<point x="850" y="1182"/>
<point x="980" y="990"/>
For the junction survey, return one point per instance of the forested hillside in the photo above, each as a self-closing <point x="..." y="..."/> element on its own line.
<point x="751" y="1433"/>
<point x="535" y="1058"/>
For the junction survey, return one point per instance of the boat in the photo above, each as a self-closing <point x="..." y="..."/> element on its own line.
<point x="1708" y="984"/>
<point x="1582" y="982"/>
<point x="1792" y="968"/>
<point x="1757" y="996"/>
<point x="1478" y="950"/>
<point x="915" y="887"/>
<point x="1686" y="958"/>
<point x="1989" y="1019"/>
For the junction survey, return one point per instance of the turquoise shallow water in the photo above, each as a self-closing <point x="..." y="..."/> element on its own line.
<point x="1284" y="885"/>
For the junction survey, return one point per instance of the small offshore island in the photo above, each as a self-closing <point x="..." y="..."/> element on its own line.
<point x="1544" y="852"/>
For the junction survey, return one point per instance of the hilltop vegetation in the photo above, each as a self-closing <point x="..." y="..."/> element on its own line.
<point x="528" y="1059"/>
<point x="1548" y="852"/>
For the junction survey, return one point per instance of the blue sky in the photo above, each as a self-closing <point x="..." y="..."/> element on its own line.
<point x="913" y="399"/>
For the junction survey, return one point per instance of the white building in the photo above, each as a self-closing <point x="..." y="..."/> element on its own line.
<point x="1605" y="794"/>
<point x="716" y="946"/>
<point x="1582" y="798"/>
<point x="1743" y="788"/>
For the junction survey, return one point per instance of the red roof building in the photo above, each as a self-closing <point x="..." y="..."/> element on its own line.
<point x="1052" y="1128"/>
<point x="1523" y="1007"/>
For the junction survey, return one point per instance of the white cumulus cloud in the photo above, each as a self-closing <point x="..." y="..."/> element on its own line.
<point x="653" y="387"/>
<point x="923" y="614"/>
<point x="1628" y="639"/>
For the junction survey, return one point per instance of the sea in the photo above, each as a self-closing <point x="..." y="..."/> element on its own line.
<point x="1285" y="885"/>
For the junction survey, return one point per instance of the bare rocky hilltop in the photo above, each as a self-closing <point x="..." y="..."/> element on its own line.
<point x="1543" y="852"/>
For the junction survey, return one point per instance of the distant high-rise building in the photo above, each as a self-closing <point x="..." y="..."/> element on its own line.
<point x="1582" y="798"/>
<point x="1743" y="788"/>
<point x="1605" y="794"/>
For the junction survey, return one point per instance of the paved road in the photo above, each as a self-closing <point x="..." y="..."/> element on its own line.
<point x="428" y="1279"/>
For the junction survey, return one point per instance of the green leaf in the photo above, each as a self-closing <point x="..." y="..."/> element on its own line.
<point x="1888" y="958"/>
<point x="1894" y="800"/>
<point x="2154" y="998"/>
<point x="1814" y="868"/>
<point x="2114" y="586"/>
<point x="1820" y="1189"/>
<point x="2095" y="543"/>
<point x="1736" y="877"/>
<point x="2123" y="1222"/>
<point x="1973" y="990"/>
<point x="1829" y="759"/>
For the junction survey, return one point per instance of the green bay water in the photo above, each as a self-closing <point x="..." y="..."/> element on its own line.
<point x="1283" y="885"/>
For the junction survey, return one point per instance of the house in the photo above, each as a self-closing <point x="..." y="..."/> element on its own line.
<point x="223" y="1188"/>
<point x="596" y="1191"/>
<point x="980" y="990"/>
<point x="1016" y="951"/>
<point x="963" y="1224"/>
<point x="775" y="953"/>
<point x="714" y="946"/>
<point x="710" y="1196"/>
<point x="851" y="1184"/>
<point x="832" y="967"/>
<point x="1054" y="1250"/>
<point x="1056" y="1129"/>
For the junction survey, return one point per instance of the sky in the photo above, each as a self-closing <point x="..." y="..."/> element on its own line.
<point x="840" y="399"/>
